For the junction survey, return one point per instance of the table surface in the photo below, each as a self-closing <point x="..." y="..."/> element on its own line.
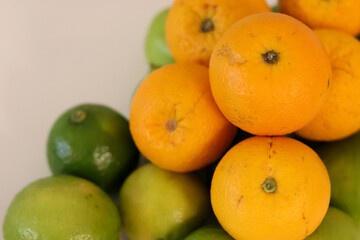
<point x="54" y="55"/>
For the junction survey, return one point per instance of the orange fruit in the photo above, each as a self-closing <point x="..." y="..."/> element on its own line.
<point x="340" y="15"/>
<point x="340" y="115"/>
<point x="194" y="26"/>
<point x="272" y="188"/>
<point x="174" y="120"/>
<point x="269" y="74"/>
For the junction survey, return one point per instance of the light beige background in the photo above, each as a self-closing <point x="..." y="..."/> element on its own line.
<point x="54" y="55"/>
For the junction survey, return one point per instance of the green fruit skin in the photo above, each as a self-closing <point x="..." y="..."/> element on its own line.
<point x="336" y="225"/>
<point x="342" y="159"/>
<point x="159" y="204"/>
<point x="99" y="149"/>
<point x="209" y="232"/>
<point x="61" y="208"/>
<point x="275" y="9"/>
<point x="156" y="49"/>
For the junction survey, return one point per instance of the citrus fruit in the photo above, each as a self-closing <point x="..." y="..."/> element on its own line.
<point x="342" y="159"/>
<point x="194" y="26"/>
<point x="209" y="232"/>
<point x="269" y="74"/>
<point x="339" y="117"/>
<point x="339" y="15"/>
<point x="159" y="204"/>
<point x="273" y="188"/>
<point x="275" y="9"/>
<point x="336" y="225"/>
<point x="174" y="120"/>
<point x="156" y="50"/>
<point x="93" y="142"/>
<point x="61" y="207"/>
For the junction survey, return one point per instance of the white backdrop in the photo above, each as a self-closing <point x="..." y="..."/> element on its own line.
<point x="54" y="55"/>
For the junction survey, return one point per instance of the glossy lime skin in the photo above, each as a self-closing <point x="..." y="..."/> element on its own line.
<point x="62" y="208"/>
<point x="159" y="204"/>
<point x="99" y="148"/>
<point x="275" y="8"/>
<point x="156" y="49"/>
<point x="336" y="225"/>
<point x="209" y="232"/>
<point x="342" y="160"/>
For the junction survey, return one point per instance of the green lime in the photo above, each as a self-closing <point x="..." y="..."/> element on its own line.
<point x="209" y="232"/>
<point x="93" y="142"/>
<point x="275" y="8"/>
<point x="159" y="204"/>
<point x="156" y="49"/>
<point x="62" y="208"/>
<point x="342" y="159"/>
<point x="336" y="225"/>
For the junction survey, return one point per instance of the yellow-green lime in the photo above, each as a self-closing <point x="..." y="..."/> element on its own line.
<point x="61" y="208"/>
<point x="209" y="232"/>
<point x="336" y="225"/>
<point x="158" y="204"/>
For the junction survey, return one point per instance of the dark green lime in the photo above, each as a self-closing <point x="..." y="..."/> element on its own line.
<point x="92" y="142"/>
<point x="275" y="8"/>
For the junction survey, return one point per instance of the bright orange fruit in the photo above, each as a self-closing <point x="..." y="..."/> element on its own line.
<point x="339" y="15"/>
<point x="272" y="188"/>
<point x="174" y="120"/>
<point x="194" y="26"/>
<point x="269" y="74"/>
<point x="340" y="115"/>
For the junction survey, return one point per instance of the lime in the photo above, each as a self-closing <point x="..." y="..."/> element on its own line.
<point x="275" y="8"/>
<point x="336" y="225"/>
<point x="156" y="49"/>
<point x="93" y="142"/>
<point x="342" y="159"/>
<point x="209" y="232"/>
<point x="159" y="204"/>
<point x="61" y="208"/>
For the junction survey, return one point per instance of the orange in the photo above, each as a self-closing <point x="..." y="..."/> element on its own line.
<point x="174" y="120"/>
<point x="269" y="74"/>
<point x="194" y="26"/>
<point x="340" y="15"/>
<point x="272" y="188"/>
<point x="340" y="115"/>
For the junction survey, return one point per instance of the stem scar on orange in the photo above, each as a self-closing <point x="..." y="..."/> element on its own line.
<point x="274" y="188"/>
<point x="339" y="117"/>
<point x="174" y="119"/>
<point x="194" y="26"/>
<point x="269" y="74"/>
<point x="338" y="15"/>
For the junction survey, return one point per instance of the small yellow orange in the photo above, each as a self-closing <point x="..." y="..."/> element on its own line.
<point x="174" y="120"/>
<point x="272" y="188"/>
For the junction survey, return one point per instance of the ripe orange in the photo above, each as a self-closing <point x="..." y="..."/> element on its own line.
<point x="340" y="115"/>
<point x="272" y="188"/>
<point x="269" y="74"/>
<point x="174" y="120"/>
<point x="340" y="15"/>
<point x="194" y="26"/>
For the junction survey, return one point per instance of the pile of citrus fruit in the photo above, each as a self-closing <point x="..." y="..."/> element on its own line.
<point x="250" y="120"/>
